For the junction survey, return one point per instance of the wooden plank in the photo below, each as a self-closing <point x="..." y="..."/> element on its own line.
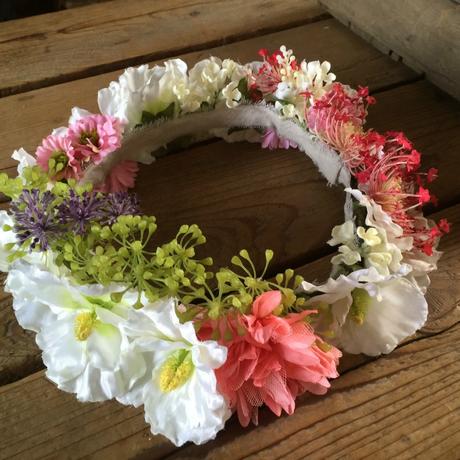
<point x="24" y="120"/>
<point x="62" y="46"/>
<point x="231" y="204"/>
<point x="409" y="397"/>
<point x="425" y="33"/>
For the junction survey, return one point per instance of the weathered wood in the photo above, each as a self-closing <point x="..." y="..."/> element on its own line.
<point x="408" y="397"/>
<point x="62" y="46"/>
<point x="26" y="118"/>
<point x="424" y="33"/>
<point x="269" y="199"/>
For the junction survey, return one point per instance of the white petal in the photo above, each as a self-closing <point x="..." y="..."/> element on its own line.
<point x="24" y="160"/>
<point x="78" y="113"/>
<point x="103" y="346"/>
<point x="401" y="311"/>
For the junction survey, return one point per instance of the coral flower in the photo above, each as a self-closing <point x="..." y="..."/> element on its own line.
<point x="273" y="361"/>
<point x="95" y="136"/>
<point x="56" y="156"/>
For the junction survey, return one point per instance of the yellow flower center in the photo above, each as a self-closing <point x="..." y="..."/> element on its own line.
<point x="83" y="325"/>
<point x="360" y="305"/>
<point x="176" y="370"/>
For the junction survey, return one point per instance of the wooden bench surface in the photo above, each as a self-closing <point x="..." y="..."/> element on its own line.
<point x="403" y="405"/>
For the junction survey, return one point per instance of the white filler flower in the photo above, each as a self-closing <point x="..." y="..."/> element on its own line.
<point x="178" y="390"/>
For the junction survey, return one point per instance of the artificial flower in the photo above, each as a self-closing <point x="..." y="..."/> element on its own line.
<point x="378" y="218"/>
<point x="126" y="98"/>
<point x="342" y="234"/>
<point x="7" y="238"/>
<point x="34" y="220"/>
<point x="367" y="312"/>
<point x="121" y="177"/>
<point x="272" y="141"/>
<point x="30" y="313"/>
<point x="231" y="94"/>
<point x="178" y="389"/>
<point x="78" y="333"/>
<point x="94" y="136"/>
<point x="24" y="159"/>
<point x="369" y="245"/>
<point x="56" y="155"/>
<point x="347" y="255"/>
<point x="271" y="359"/>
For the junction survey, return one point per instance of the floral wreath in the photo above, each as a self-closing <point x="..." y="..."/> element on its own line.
<point x="117" y="316"/>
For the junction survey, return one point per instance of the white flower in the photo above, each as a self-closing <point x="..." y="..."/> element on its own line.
<point x="347" y="256"/>
<point x="231" y="95"/>
<point x="315" y="77"/>
<point x="30" y="313"/>
<point x="422" y="264"/>
<point x="287" y="110"/>
<point x="343" y="234"/>
<point x="374" y="248"/>
<point x="24" y="160"/>
<point x="369" y="236"/>
<point x="124" y="99"/>
<point x="370" y="313"/>
<point x="378" y="252"/>
<point x="78" y="331"/>
<point x="179" y="388"/>
<point x="378" y="218"/>
<point x="142" y="88"/>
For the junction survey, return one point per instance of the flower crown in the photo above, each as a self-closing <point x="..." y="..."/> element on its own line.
<point x="118" y="316"/>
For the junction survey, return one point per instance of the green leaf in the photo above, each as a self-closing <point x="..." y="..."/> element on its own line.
<point x="149" y="117"/>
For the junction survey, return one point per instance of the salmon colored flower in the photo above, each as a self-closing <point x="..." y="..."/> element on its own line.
<point x="271" y="359"/>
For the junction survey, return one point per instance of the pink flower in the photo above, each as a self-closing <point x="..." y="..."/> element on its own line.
<point x="57" y="156"/>
<point x="272" y="70"/>
<point x="95" y="136"/>
<point x="338" y="118"/>
<point x="271" y="359"/>
<point x="121" y="177"/>
<point x="272" y="141"/>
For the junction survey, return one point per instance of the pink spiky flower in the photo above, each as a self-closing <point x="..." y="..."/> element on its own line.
<point x="392" y="180"/>
<point x="274" y="68"/>
<point x="338" y="117"/>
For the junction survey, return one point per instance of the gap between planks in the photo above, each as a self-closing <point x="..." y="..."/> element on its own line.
<point x="120" y="34"/>
<point x="357" y="400"/>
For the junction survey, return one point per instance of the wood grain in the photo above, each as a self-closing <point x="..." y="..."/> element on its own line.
<point x="26" y="118"/>
<point x="408" y="397"/>
<point x="424" y="33"/>
<point x="62" y="46"/>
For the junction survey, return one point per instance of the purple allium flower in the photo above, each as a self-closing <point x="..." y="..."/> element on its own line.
<point x="78" y="211"/>
<point x="34" y="218"/>
<point x="120" y="204"/>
